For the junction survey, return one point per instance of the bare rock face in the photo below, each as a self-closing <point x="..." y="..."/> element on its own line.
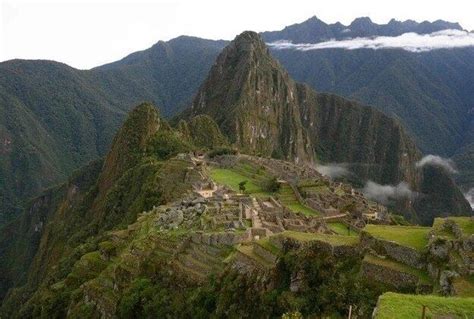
<point x="297" y="281"/>
<point x="446" y="280"/>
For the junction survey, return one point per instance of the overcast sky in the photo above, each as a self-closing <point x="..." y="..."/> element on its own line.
<point x="89" y="33"/>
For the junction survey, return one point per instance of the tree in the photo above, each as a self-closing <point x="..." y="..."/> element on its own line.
<point x="272" y="185"/>
<point x="242" y="186"/>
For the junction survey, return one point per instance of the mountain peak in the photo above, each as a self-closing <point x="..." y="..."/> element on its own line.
<point x="248" y="41"/>
<point x="129" y="143"/>
<point x="250" y="96"/>
<point x="362" y="20"/>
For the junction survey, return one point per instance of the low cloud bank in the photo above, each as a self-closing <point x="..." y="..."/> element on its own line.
<point x="385" y="194"/>
<point x="413" y="42"/>
<point x="470" y="197"/>
<point x="333" y="170"/>
<point x="436" y="160"/>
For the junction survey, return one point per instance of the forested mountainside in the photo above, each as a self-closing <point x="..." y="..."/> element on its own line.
<point x="157" y="229"/>
<point x="430" y="93"/>
<point x="55" y="118"/>
<point x="264" y="112"/>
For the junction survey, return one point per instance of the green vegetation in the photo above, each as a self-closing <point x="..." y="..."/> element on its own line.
<point x="391" y="264"/>
<point x="392" y="306"/>
<point x="249" y="252"/>
<point x="336" y="240"/>
<point x="205" y="133"/>
<point x="342" y="229"/>
<point x="166" y="144"/>
<point x="410" y="236"/>
<point x="466" y="224"/>
<point x="221" y="151"/>
<point x="242" y="186"/>
<point x="288" y="198"/>
<point x="58" y="118"/>
<point x="265" y="243"/>
<point x="258" y="183"/>
<point x="232" y="179"/>
<point x="464" y="286"/>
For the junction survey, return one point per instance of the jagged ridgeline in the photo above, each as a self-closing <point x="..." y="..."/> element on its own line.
<point x="264" y="112"/>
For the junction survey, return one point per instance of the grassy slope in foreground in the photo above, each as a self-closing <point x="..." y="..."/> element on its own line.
<point x="411" y="236"/>
<point x="393" y="306"/>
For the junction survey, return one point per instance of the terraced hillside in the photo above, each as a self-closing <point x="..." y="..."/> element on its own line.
<point x="158" y="229"/>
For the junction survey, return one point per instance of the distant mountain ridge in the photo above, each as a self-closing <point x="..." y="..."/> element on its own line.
<point x="431" y="93"/>
<point x="315" y="30"/>
<point x="54" y="118"/>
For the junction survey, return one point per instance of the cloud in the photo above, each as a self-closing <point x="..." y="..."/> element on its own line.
<point x="333" y="170"/>
<point x="470" y="197"/>
<point x="436" y="160"/>
<point x="385" y="194"/>
<point x="413" y="42"/>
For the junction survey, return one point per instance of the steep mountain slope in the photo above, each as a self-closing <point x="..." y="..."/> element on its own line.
<point x="431" y="93"/>
<point x="167" y="74"/>
<point x="263" y="111"/>
<point x="66" y="222"/>
<point x="54" y="118"/>
<point x="253" y="101"/>
<point x="151" y="231"/>
<point x="52" y="121"/>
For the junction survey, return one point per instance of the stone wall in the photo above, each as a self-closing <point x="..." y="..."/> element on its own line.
<point x="403" y="254"/>
<point x="281" y="242"/>
<point x="399" y="280"/>
<point x="216" y="239"/>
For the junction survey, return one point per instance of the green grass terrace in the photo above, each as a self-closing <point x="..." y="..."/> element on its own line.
<point x="342" y="229"/>
<point x="415" y="237"/>
<point x="231" y="179"/>
<point x="466" y="224"/>
<point x="335" y="240"/>
<point x="399" y="306"/>
<point x="255" y="178"/>
<point x="396" y="266"/>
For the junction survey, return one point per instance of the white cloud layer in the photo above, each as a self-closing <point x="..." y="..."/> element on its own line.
<point x="413" y="42"/>
<point x="385" y="194"/>
<point x="333" y="170"/>
<point x="436" y="160"/>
